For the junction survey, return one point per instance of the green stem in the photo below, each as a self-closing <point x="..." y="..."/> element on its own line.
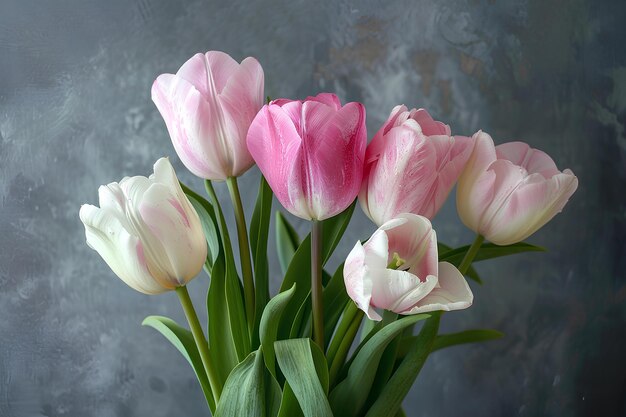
<point x="316" y="283"/>
<point x="244" y="250"/>
<point x="346" y="320"/>
<point x="344" y="347"/>
<point x="201" y="342"/>
<point x="470" y="254"/>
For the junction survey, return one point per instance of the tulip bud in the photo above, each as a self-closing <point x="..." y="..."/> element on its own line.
<point x="410" y="166"/>
<point x="208" y="106"/>
<point x="397" y="269"/>
<point x="147" y="231"/>
<point x="507" y="192"/>
<point x="311" y="153"/>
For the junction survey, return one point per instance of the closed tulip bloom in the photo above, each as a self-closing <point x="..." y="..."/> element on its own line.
<point x="147" y="231"/>
<point x="311" y="153"/>
<point x="411" y="165"/>
<point x="208" y="106"/>
<point x="507" y="192"/>
<point x="397" y="269"/>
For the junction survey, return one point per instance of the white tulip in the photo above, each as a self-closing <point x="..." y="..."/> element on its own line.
<point x="147" y="231"/>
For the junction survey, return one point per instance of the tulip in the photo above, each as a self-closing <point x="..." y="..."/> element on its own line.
<point x="411" y="166"/>
<point x="147" y="231"/>
<point x="397" y="269"/>
<point x="311" y="153"/>
<point x="507" y="192"/>
<point x="208" y="106"/>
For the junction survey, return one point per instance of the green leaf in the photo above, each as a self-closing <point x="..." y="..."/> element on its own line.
<point x="182" y="339"/>
<point x="297" y="359"/>
<point x="287" y="241"/>
<point x="351" y="394"/>
<point x="489" y="251"/>
<point x="471" y="272"/>
<point x="207" y="219"/>
<point x="250" y="391"/>
<point x="390" y="399"/>
<point x="259" y="231"/>
<point x="221" y="338"/>
<point x="468" y="336"/>
<point x="233" y="289"/>
<point x="269" y="326"/>
<point x="334" y="302"/>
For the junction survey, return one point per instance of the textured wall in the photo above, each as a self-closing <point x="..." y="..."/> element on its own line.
<point x="75" y="112"/>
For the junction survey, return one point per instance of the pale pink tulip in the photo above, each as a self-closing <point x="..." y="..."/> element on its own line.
<point x="311" y="153"/>
<point x="208" y="106"/>
<point x="410" y="166"/>
<point x="418" y="284"/>
<point x="147" y="231"/>
<point x="507" y="192"/>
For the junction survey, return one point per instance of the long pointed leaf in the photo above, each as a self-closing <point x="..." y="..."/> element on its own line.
<point x="350" y="395"/>
<point x="182" y="339"/>
<point x="297" y="361"/>
<point x="259" y="232"/>
<point x="390" y="399"/>
<point x="287" y="241"/>
<point x="489" y="251"/>
<point x="248" y="391"/>
<point x="269" y="326"/>
<point x="233" y="289"/>
<point x="335" y="300"/>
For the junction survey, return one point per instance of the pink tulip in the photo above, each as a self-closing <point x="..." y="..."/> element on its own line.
<point x="311" y="153"/>
<point x="398" y="270"/>
<point x="411" y="165"/>
<point x="208" y="106"/>
<point x="507" y="192"/>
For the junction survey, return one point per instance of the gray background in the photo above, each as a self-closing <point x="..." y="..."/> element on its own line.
<point x="75" y="112"/>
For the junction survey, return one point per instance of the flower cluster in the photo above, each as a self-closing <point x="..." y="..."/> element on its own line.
<point x="314" y="156"/>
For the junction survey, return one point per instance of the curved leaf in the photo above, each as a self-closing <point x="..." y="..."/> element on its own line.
<point x="259" y="232"/>
<point x="488" y="251"/>
<point x="269" y="326"/>
<point x="390" y="399"/>
<point x="249" y="391"/>
<point x="298" y="361"/>
<point x="287" y="241"/>
<point x="350" y="395"/>
<point x="182" y="339"/>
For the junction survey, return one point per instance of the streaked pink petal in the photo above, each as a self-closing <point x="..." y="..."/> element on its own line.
<point x="416" y="242"/>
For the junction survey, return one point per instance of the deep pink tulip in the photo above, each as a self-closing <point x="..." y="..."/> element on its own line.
<point x="411" y="165"/>
<point x="397" y="269"/>
<point x="507" y="192"/>
<point x="208" y="106"/>
<point x="311" y="153"/>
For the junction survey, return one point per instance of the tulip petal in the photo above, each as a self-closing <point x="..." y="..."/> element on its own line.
<point x="430" y="126"/>
<point x="399" y="290"/>
<point x="275" y="145"/>
<point x="407" y="166"/>
<point x="334" y="158"/>
<point x="414" y="241"/>
<point x="531" y="206"/>
<point x="121" y="250"/>
<point x="220" y="64"/>
<point x="452" y="293"/>
<point x="532" y="160"/>
<point x="240" y="100"/>
<point x="358" y="281"/>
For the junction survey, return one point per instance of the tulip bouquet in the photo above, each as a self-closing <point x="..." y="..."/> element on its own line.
<point x="328" y="343"/>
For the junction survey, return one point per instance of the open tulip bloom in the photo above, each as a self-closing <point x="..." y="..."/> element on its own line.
<point x="296" y="353"/>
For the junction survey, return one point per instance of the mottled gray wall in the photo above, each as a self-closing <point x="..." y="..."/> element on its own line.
<point x="75" y="112"/>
